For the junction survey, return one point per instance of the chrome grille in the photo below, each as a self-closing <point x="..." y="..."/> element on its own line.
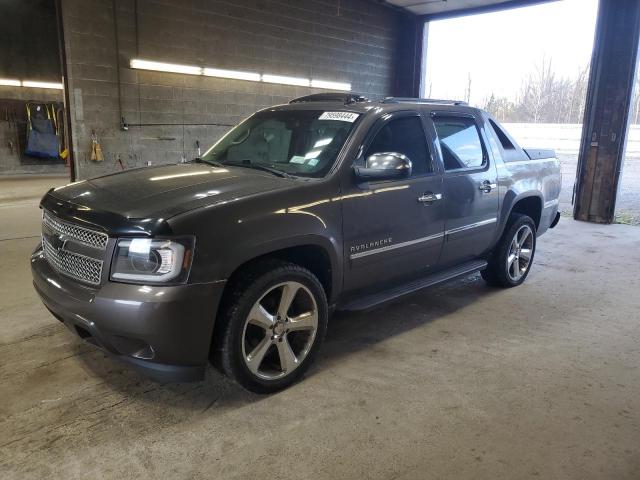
<point x="73" y="264"/>
<point x="81" y="234"/>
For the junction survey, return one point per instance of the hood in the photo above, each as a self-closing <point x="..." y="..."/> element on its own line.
<point x="166" y="191"/>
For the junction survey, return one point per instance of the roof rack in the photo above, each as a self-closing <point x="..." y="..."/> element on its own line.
<point x="345" y="98"/>
<point x="423" y="100"/>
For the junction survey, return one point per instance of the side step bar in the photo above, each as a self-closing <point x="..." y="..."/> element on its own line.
<point x="379" y="298"/>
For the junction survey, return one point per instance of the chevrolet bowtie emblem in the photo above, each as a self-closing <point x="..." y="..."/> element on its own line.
<point x="58" y="242"/>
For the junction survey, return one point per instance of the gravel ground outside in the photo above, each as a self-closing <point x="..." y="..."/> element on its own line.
<point x="628" y="203"/>
<point x="565" y="140"/>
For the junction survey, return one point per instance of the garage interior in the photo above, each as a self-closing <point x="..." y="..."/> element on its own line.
<point x="457" y="381"/>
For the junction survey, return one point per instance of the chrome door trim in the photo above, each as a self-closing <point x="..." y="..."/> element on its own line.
<point x="408" y="243"/>
<point x="470" y="226"/>
<point x="354" y="256"/>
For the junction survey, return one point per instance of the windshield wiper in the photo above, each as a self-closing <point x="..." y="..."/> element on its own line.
<point x="258" y="166"/>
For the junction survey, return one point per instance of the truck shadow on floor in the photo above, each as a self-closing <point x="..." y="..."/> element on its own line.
<point x="348" y="334"/>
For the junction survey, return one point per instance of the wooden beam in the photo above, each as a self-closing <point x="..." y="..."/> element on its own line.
<point x="613" y="69"/>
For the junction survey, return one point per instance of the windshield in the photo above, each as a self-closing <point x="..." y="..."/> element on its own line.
<point x="297" y="142"/>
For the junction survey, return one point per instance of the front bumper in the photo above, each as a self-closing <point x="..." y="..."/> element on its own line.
<point x="163" y="331"/>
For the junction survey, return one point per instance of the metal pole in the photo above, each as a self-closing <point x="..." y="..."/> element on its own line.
<point x="65" y="83"/>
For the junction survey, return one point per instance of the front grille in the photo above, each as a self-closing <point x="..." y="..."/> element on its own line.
<point x="78" y="266"/>
<point x="65" y="247"/>
<point x="81" y="234"/>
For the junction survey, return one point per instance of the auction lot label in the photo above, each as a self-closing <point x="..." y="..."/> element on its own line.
<point x="340" y="116"/>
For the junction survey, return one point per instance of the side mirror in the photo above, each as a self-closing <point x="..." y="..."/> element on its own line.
<point x="385" y="166"/>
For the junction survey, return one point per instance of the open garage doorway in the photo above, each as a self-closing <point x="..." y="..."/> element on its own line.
<point x="527" y="66"/>
<point x="628" y="199"/>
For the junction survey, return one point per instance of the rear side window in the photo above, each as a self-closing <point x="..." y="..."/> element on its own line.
<point x="493" y="145"/>
<point x="459" y="142"/>
<point x="504" y="140"/>
<point x="404" y="135"/>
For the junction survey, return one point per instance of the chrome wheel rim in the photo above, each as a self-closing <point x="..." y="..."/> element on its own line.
<point x="520" y="253"/>
<point x="280" y="330"/>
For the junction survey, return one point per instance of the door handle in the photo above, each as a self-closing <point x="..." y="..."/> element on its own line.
<point x="430" y="197"/>
<point x="487" y="186"/>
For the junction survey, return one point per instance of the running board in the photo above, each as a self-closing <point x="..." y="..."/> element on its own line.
<point x="379" y="298"/>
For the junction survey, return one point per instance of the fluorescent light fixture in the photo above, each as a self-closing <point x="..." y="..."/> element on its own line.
<point x="283" y="80"/>
<point x="235" y="74"/>
<point x="346" y="87"/>
<point x="27" y="83"/>
<point x="9" y="82"/>
<point x="165" y="67"/>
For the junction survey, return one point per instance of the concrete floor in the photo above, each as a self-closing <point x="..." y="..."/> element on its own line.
<point x="461" y="381"/>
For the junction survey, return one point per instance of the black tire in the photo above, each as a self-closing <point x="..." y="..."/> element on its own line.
<point x="497" y="272"/>
<point x="248" y="288"/>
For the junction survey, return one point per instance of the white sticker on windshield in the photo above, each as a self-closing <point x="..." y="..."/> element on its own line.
<point x="340" y="116"/>
<point x="297" y="159"/>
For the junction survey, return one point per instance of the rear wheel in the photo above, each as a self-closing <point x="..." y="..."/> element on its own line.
<point x="511" y="260"/>
<point x="274" y="323"/>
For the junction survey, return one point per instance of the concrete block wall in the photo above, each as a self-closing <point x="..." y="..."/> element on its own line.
<point x="11" y="160"/>
<point x="29" y="40"/>
<point x="352" y="41"/>
<point x="28" y="51"/>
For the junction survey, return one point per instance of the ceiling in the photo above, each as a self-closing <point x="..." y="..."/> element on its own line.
<point x="430" y="7"/>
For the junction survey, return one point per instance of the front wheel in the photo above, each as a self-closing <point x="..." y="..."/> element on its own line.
<point x="511" y="260"/>
<point x="274" y="323"/>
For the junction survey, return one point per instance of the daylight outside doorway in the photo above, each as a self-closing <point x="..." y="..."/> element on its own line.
<point x="532" y="79"/>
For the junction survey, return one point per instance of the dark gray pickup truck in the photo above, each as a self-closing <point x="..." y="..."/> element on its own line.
<point x="329" y="202"/>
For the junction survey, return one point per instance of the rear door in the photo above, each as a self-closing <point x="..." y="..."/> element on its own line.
<point x="470" y="187"/>
<point x="393" y="229"/>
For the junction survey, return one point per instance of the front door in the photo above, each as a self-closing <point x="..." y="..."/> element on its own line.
<point x="470" y="188"/>
<point x="393" y="229"/>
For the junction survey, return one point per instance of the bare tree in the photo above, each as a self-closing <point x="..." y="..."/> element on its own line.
<point x="500" y="107"/>
<point x="578" y="97"/>
<point x="635" y="104"/>
<point x="544" y="97"/>
<point x="537" y="94"/>
<point x="467" y="94"/>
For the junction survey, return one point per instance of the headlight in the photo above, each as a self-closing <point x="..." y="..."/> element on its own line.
<point x="147" y="260"/>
